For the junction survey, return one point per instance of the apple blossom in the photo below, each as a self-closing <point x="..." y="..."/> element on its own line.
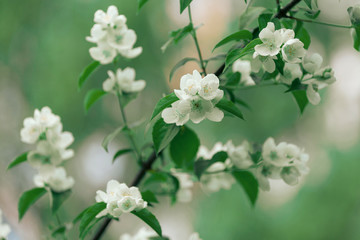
<point x="184" y="193"/>
<point x="293" y="51"/>
<point x="239" y="155"/>
<point x="179" y="113"/>
<point x="244" y="68"/>
<point x="4" y="228"/>
<point x="53" y="177"/>
<point x="120" y="199"/>
<point x="123" y="81"/>
<point x="272" y="41"/>
<point x="263" y="61"/>
<point x="142" y="234"/>
<point x="286" y="34"/>
<point x="195" y="236"/>
<point x="312" y="63"/>
<point x="291" y="72"/>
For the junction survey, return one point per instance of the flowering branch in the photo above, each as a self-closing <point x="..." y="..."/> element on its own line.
<point x="316" y="22"/>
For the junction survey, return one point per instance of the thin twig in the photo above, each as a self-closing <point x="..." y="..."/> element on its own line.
<point x="316" y="22"/>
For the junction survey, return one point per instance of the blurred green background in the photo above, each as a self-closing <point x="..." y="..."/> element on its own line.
<point x="42" y="52"/>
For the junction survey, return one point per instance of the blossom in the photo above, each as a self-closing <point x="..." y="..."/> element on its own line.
<point x="124" y="81"/>
<point x="263" y="61"/>
<point x="290" y="73"/>
<point x="112" y="37"/>
<point x="244" y="68"/>
<point x="4" y="228"/>
<point x="195" y="236"/>
<point x="286" y="34"/>
<point x="184" y="193"/>
<point x="55" y="178"/>
<point x="272" y="41"/>
<point x="272" y="153"/>
<point x="293" y="50"/>
<point x="312" y="63"/>
<point x="142" y="234"/>
<point x="354" y="14"/>
<point x="120" y="199"/>
<point x="239" y="155"/>
<point x="312" y="95"/>
<point x="197" y="99"/>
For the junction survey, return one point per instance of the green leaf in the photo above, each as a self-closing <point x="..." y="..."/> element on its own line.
<point x="159" y="238"/>
<point x="234" y="79"/>
<point x="185" y="139"/>
<point x="263" y="20"/>
<point x="90" y="226"/>
<point x="28" y="198"/>
<point x="240" y="35"/>
<point x="230" y="107"/>
<point x="201" y="165"/>
<point x="163" y="103"/>
<point x="304" y="36"/>
<point x="356" y="37"/>
<point x="308" y="3"/>
<point x="240" y="52"/>
<point x="249" y="184"/>
<point x="177" y="35"/>
<point x="79" y="217"/>
<point x="163" y="133"/>
<point x="59" y="233"/>
<point x="149" y="196"/>
<point x="301" y="99"/>
<point x="149" y="219"/>
<point x="141" y="3"/>
<point x="58" y="199"/>
<point x="121" y="152"/>
<point x="184" y="4"/>
<point x="110" y="137"/>
<point x="89" y="215"/>
<point x="181" y="63"/>
<point x="20" y="159"/>
<point x="91" y="97"/>
<point x="280" y="64"/>
<point x="87" y="72"/>
<point x="249" y="16"/>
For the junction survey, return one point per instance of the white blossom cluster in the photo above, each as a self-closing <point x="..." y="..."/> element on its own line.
<point x="45" y="130"/>
<point x="184" y="194"/>
<point x="244" y="68"/>
<point x="4" y="229"/>
<point x="283" y="161"/>
<point x="112" y="37"/>
<point x="197" y="99"/>
<point x="123" y="81"/>
<point x="298" y="64"/>
<point x="119" y="198"/>
<point x="146" y="234"/>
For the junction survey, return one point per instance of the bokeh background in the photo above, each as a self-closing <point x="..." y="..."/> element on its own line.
<point x="42" y="52"/>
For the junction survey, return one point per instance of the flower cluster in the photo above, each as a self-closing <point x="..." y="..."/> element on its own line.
<point x="45" y="130"/>
<point x="146" y="234"/>
<point x="197" y="99"/>
<point x="112" y="37"/>
<point x="4" y="228"/>
<point x="119" y="198"/>
<point x="123" y="81"/>
<point x="244" y="68"/>
<point x="298" y="65"/>
<point x="283" y="161"/>
<point x="184" y="193"/>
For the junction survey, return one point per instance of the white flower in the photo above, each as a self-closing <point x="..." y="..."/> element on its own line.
<point x="263" y="181"/>
<point x="312" y="63"/>
<point x="312" y="95"/>
<point x="354" y="13"/>
<point x="190" y="85"/>
<point x="142" y="234"/>
<point x="215" y="177"/>
<point x="4" y="228"/>
<point x="103" y="53"/>
<point x="207" y="154"/>
<point x="34" y="127"/>
<point x="210" y="88"/>
<point x="204" y="109"/>
<point x="110" y="19"/>
<point x="240" y="155"/>
<point x="120" y="199"/>
<point x="184" y="193"/>
<point x="244" y="68"/>
<point x="195" y="236"/>
<point x="179" y="113"/>
<point x="286" y="34"/>
<point x="272" y="41"/>
<point x="291" y="72"/>
<point x="54" y="177"/>
<point x="273" y="154"/>
<point x="124" y="81"/>
<point x="293" y="50"/>
<point x="263" y="61"/>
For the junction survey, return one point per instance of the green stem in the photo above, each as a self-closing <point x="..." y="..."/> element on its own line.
<point x="129" y="131"/>
<point x="197" y="43"/>
<point x="251" y="86"/>
<point x="322" y="23"/>
<point x="58" y="219"/>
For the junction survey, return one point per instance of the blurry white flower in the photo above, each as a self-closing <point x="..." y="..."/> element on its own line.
<point x="54" y="177"/>
<point x="273" y="154"/>
<point x="119" y="199"/>
<point x="198" y="97"/>
<point x="215" y="177"/>
<point x="272" y="41"/>
<point x="124" y="81"/>
<point x="112" y="37"/>
<point x="244" y="68"/>
<point x="142" y="234"/>
<point x="290" y="73"/>
<point x="312" y="95"/>
<point x="195" y="236"/>
<point x="240" y="155"/>
<point x="184" y="193"/>
<point x="263" y="61"/>
<point x="312" y="63"/>
<point x="4" y="228"/>
<point x="293" y="51"/>
<point x="207" y="154"/>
